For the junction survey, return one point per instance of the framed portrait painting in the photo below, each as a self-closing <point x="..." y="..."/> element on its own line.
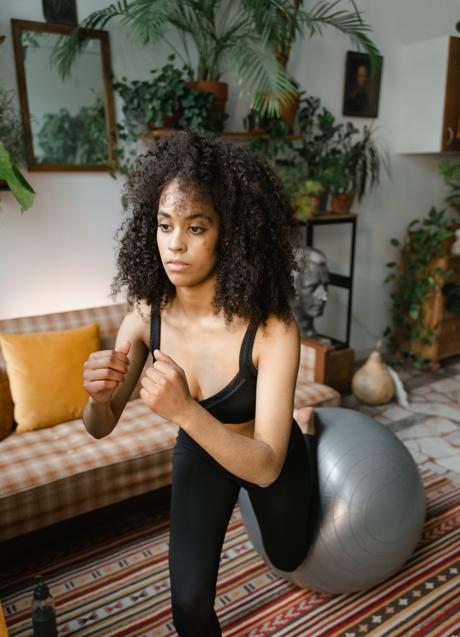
<point x="362" y="85"/>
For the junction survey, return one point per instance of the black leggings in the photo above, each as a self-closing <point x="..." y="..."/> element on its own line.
<point x="203" y="495"/>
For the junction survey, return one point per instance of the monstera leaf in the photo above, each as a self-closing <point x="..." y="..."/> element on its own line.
<point x="21" y="189"/>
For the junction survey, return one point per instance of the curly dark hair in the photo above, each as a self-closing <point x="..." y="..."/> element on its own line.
<point x="257" y="240"/>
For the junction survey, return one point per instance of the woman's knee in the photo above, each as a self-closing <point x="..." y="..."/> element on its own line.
<point x="193" y="611"/>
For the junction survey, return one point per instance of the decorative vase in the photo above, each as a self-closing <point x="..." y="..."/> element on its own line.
<point x="372" y="384"/>
<point x="341" y="202"/>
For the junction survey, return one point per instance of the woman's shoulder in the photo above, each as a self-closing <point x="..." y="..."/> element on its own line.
<point x="277" y="327"/>
<point x="277" y="334"/>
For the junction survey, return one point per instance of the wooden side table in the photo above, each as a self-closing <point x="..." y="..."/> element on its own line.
<point x="333" y="365"/>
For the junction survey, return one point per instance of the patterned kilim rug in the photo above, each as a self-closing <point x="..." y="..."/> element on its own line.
<point x="119" y="586"/>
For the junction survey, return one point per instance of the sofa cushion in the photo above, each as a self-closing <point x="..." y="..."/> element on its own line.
<point x="45" y="371"/>
<point x="52" y="474"/>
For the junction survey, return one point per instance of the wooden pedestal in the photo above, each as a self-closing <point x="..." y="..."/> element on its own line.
<point x="334" y="365"/>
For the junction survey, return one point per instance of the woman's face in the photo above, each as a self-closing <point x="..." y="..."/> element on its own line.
<point x="188" y="228"/>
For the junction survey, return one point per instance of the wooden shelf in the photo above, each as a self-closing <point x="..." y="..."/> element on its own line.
<point x="230" y="135"/>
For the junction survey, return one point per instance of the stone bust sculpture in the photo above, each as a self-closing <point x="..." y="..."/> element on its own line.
<point x="311" y="283"/>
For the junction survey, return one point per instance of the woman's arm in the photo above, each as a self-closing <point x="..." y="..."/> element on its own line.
<point x="100" y="418"/>
<point x="257" y="460"/>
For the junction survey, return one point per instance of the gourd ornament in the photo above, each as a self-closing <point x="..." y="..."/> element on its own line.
<point x="373" y="384"/>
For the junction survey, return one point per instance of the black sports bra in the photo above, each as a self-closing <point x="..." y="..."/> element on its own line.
<point x="236" y="402"/>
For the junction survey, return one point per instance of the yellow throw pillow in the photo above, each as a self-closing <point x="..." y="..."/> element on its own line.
<point x="6" y="406"/>
<point x="45" y="371"/>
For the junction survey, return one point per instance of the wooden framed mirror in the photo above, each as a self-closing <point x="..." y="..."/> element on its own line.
<point x="69" y="125"/>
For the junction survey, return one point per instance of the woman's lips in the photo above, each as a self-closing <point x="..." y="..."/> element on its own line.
<point x="177" y="267"/>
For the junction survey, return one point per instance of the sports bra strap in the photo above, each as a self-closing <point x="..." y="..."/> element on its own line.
<point x="154" y="332"/>
<point x="246" y="349"/>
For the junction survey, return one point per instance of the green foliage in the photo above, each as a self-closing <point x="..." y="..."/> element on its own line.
<point x="334" y="154"/>
<point x="222" y="35"/>
<point x="146" y="104"/>
<point x="75" y="139"/>
<point x="19" y="186"/>
<point x="451" y="174"/>
<point x="11" y="131"/>
<point x="415" y="279"/>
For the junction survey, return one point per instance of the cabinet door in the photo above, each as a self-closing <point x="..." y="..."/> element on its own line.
<point x="451" y="123"/>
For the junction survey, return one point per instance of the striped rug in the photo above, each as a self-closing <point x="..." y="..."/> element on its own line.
<point x="119" y="586"/>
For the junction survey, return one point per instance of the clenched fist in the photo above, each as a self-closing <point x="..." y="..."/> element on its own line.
<point x="104" y="371"/>
<point x="165" y="389"/>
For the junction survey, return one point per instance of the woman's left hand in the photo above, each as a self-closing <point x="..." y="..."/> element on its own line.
<point x="165" y="389"/>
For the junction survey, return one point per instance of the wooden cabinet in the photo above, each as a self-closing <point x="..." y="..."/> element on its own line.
<point x="446" y="325"/>
<point x="429" y="96"/>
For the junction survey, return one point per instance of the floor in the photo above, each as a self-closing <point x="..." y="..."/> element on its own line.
<point x="430" y="425"/>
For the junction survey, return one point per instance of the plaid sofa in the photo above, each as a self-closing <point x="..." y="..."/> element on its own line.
<point x="59" y="472"/>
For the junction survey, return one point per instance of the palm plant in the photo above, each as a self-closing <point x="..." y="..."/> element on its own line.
<point x="280" y="22"/>
<point x="221" y="31"/>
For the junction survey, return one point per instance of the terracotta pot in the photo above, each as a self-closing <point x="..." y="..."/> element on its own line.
<point x="289" y="111"/>
<point x="341" y="202"/>
<point x="219" y="89"/>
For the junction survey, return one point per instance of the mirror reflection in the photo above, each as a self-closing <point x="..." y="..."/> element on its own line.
<point x="66" y="121"/>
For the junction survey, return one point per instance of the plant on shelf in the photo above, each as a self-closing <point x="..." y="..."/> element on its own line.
<point x="307" y="199"/>
<point x="282" y="22"/>
<point x="417" y="278"/>
<point x="166" y="100"/>
<point x="346" y="166"/>
<point x="223" y="37"/>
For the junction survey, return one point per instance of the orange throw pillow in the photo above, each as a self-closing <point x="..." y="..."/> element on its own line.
<point x="45" y="370"/>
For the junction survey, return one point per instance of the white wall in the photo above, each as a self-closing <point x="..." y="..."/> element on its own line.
<point x="60" y="254"/>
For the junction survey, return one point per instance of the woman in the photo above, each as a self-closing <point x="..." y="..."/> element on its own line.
<point x="208" y="257"/>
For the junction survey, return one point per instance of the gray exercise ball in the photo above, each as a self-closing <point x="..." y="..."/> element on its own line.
<point x="371" y="511"/>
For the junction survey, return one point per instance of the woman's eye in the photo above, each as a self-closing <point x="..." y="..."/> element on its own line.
<point x="163" y="225"/>
<point x="199" y="228"/>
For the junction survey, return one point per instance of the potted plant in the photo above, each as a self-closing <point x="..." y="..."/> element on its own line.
<point x="419" y="279"/>
<point x="164" y="101"/>
<point x="339" y="183"/>
<point x="167" y="100"/>
<point x="220" y="36"/>
<point x="281" y="22"/>
<point x="307" y="199"/>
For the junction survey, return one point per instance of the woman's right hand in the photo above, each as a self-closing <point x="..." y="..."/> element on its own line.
<point x="104" y="371"/>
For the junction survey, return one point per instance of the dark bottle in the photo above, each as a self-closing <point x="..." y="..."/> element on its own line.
<point x="43" y="612"/>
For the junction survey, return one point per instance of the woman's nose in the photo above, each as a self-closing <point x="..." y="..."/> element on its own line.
<point x="176" y="240"/>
